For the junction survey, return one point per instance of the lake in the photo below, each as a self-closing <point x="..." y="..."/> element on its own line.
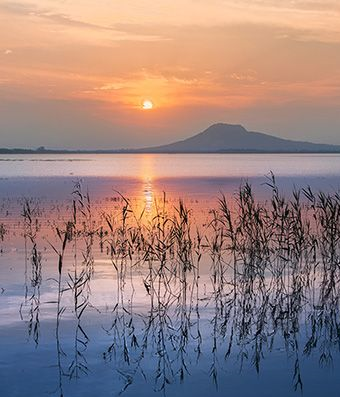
<point x="131" y="275"/>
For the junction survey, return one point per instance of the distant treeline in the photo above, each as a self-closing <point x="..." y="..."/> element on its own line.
<point x="156" y="151"/>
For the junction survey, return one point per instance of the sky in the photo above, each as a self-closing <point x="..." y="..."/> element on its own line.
<point x="74" y="73"/>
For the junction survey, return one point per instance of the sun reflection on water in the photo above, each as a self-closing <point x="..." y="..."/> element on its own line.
<point x="148" y="196"/>
<point x="147" y="173"/>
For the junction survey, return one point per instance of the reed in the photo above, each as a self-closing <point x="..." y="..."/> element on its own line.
<point x="273" y="269"/>
<point x="30" y="214"/>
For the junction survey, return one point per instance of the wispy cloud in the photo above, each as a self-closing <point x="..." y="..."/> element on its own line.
<point x="33" y="11"/>
<point x="249" y="76"/>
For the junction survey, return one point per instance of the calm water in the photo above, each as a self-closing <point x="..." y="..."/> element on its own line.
<point x="198" y="340"/>
<point x="188" y="176"/>
<point x="155" y="166"/>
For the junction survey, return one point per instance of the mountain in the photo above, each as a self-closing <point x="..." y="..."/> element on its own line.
<point x="218" y="138"/>
<point x="232" y="138"/>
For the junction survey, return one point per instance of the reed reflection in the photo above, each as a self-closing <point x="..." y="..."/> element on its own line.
<point x="257" y="277"/>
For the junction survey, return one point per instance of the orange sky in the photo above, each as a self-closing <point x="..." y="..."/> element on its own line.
<point x="74" y="73"/>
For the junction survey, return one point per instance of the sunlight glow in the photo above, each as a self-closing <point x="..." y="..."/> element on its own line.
<point x="147" y="104"/>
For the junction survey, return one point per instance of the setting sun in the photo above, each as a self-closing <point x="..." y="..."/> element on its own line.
<point x="147" y="105"/>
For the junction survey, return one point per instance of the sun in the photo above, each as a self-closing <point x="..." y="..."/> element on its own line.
<point x="147" y="104"/>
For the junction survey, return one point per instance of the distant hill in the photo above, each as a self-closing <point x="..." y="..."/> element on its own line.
<point x="231" y="138"/>
<point x="218" y="138"/>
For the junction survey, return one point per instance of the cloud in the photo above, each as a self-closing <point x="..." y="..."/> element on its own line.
<point x="249" y="76"/>
<point x="111" y="86"/>
<point x="312" y="20"/>
<point x="8" y="52"/>
<point x="324" y="6"/>
<point x="30" y="10"/>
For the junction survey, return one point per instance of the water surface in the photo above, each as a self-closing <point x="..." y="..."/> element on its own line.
<point x="194" y="335"/>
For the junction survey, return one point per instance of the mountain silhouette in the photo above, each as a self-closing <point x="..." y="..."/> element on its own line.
<point x="222" y="138"/>
<point x="218" y="138"/>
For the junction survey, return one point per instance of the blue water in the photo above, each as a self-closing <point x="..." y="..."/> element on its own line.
<point x="29" y="368"/>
